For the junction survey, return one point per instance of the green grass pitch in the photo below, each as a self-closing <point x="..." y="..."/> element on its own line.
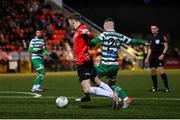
<point x="14" y="104"/>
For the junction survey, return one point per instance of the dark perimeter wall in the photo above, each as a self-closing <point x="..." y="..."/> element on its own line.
<point x="132" y="16"/>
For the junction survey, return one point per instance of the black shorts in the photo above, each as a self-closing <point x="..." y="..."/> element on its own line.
<point x="155" y="62"/>
<point x="86" y="71"/>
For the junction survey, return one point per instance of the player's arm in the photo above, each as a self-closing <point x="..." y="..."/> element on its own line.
<point x="95" y="41"/>
<point x="165" y="43"/>
<point x="131" y="41"/>
<point x="30" y="49"/>
<point x="45" y="50"/>
<point x="86" y="34"/>
<point x="137" y="42"/>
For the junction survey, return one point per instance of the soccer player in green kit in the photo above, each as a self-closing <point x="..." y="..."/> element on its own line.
<point x="110" y="45"/>
<point x="38" y="48"/>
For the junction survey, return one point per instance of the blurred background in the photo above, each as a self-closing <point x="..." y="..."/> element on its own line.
<point x="20" y="18"/>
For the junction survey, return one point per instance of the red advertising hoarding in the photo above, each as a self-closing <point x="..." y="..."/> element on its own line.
<point x="172" y="63"/>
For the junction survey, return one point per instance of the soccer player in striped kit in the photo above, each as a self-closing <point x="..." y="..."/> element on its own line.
<point x="110" y="45"/>
<point x="38" y="48"/>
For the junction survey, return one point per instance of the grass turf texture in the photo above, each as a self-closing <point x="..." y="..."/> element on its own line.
<point x="135" y="83"/>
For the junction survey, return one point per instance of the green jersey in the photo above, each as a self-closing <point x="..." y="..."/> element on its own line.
<point x="111" y="42"/>
<point x="37" y="47"/>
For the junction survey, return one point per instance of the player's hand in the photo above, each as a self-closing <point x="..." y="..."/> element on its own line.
<point x="45" y="52"/>
<point x="146" y="60"/>
<point x="161" y="57"/>
<point x="85" y="31"/>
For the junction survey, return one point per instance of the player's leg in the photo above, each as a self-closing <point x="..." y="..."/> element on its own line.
<point x="164" y="78"/>
<point x="39" y="67"/>
<point x="83" y="74"/>
<point x="121" y="93"/>
<point x="107" y="91"/>
<point x="112" y="73"/>
<point x="102" y="71"/>
<point x="153" y="65"/>
<point x="87" y="72"/>
<point x="102" y="89"/>
<point x="87" y="89"/>
<point x="39" y="79"/>
<point x="102" y="85"/>
<point x="126" y="100"/>
<point x="154" y="80"/>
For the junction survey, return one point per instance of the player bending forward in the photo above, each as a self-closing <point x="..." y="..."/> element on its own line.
<point x="111" y="42"/>
<point x="85" y="67"/>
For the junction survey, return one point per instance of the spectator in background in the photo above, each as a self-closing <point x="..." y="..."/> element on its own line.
<point x="140" y="56"/>
<point x="145" y="52"/>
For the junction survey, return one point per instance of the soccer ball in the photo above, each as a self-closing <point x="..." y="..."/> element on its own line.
<point x="62" y="102"/>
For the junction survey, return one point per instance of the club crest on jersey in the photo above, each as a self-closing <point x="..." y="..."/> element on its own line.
<point x="157" y="41"/>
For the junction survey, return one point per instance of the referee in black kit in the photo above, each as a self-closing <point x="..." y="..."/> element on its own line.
<point x="156" y="54"/>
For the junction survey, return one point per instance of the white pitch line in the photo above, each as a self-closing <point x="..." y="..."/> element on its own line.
<point x="35" y="95"/>
<point x="163" y="99"/>
<point x="53" y="97"/>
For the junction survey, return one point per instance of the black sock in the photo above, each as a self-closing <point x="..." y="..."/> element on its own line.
<point x="87" y="94"/>
<point x="165" y="81"/>
<point x="154" y="79"/>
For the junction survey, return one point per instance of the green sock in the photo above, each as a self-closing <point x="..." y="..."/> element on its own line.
<point x="40" y="77"/>
<point x="120" y="92"/>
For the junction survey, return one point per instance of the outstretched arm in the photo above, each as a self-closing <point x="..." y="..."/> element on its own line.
<point x="95" y="41"/>
<point x="137" y="42"/>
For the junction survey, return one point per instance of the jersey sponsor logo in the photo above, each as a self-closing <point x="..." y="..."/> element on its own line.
<point x="110" y="54"/>
<point x="157" y="41"/>
<point x="109" y="63"/>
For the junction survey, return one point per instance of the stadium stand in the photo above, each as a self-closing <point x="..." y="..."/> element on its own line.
<point x="20" y="19"/>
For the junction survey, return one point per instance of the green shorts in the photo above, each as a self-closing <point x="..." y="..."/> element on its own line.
<point x="38" y="64"/>
<point x="110" y="71"/>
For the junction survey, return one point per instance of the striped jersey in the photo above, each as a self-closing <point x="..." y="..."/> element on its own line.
<point x="111" y="42"/>
<point x="36" y="45"/>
